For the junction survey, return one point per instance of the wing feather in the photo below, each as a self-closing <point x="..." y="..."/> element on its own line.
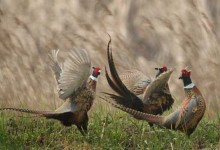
<point x="135" y="81"/>
<point x="55" y="65"/>
<point x="75" y="73"/>
<point x="187" y="114"/>
<point x="156" y="85"/>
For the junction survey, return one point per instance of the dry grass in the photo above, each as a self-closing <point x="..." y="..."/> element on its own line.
<point x="145" y="34"/>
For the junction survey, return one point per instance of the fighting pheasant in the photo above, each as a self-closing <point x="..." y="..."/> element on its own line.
<point x="76" y="87"/>
<point x="185" y="118"/>
<point x="158" y="101"/>
<point x="136" y="91"/>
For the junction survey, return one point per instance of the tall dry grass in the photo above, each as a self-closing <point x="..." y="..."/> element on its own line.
<point x="145" y="34"/>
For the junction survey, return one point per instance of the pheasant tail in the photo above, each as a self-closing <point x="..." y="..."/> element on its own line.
<point x="137" y="114"/>
<point x="66" y="113"/>
<point x="126" y="98"/>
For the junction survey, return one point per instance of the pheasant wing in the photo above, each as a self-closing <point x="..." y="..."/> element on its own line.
<point x="156" y="85"/>
<point x="187" y="112"/>
<point x="75" y="73"/>
<point x="55" y="65"/>
<point x="135" y="81"/>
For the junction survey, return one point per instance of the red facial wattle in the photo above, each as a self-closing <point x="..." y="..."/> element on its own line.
<point x="164" y="68"/>
<point x="96" y="71"/>
<point x="185" y="73"/>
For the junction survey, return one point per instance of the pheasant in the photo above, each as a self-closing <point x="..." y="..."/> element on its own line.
<point x="159" y="101"/>
<point x="137" y="92"/>
<point x="76" y="87"/>
<point x="185" y="118"/>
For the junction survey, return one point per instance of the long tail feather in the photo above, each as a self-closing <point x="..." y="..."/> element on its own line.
<point x="66" y="118"/>
<point x="127" y="99"/>
<point x="114" y="72"/>
<point x="137" y="114"/>
<point x="27" y="111"/>
<point x="112" y="84"/>
<point x="120" y="100"/>
<point x="47" y="114"/>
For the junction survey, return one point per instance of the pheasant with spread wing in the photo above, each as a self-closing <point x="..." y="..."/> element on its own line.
<point x="76" y="87"/>
<point x="136" y="91"/>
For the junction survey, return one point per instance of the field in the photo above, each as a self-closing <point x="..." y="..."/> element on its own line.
<point x="109" y="129"/>
<point x="145" y="34"/>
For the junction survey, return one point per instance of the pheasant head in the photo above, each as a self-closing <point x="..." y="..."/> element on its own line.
<point x="185" y="76"/>
<point x="93" y="78"/>
<point x="95" y="73"/>
<point x="161" y="70"/>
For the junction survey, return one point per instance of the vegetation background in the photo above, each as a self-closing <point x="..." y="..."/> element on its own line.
<point x="145" y="34"/>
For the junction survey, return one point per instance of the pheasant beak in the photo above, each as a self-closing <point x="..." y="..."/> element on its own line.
<point x="99" y="72"/>
<point x="181" y="77"/>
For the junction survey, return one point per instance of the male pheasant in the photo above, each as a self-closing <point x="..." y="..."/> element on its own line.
<point x="158" y="101"/>
<point x="76" y="86"/>
<point x="185" y="118"/>
<point x="136" y="91"/>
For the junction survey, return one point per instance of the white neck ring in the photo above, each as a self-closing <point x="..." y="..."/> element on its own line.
<point x="93" y="78"/>
<point x="190" y="86"/>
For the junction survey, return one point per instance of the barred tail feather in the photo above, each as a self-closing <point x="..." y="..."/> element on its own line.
<point x="66" y="118"/>
<point x="158" y="120"/>
<point x="27" y="111"/>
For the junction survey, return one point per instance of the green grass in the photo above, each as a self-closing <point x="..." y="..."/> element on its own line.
<point x="108" y="130"/>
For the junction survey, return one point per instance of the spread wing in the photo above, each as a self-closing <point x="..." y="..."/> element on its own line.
<point x="135" y="81"/>
<point x="55" y="65"/>
<point x="157" y="84"/>
<point x="75" y="73"/>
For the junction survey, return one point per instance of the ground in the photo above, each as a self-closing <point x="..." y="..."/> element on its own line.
<point x="112" y="129"/>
